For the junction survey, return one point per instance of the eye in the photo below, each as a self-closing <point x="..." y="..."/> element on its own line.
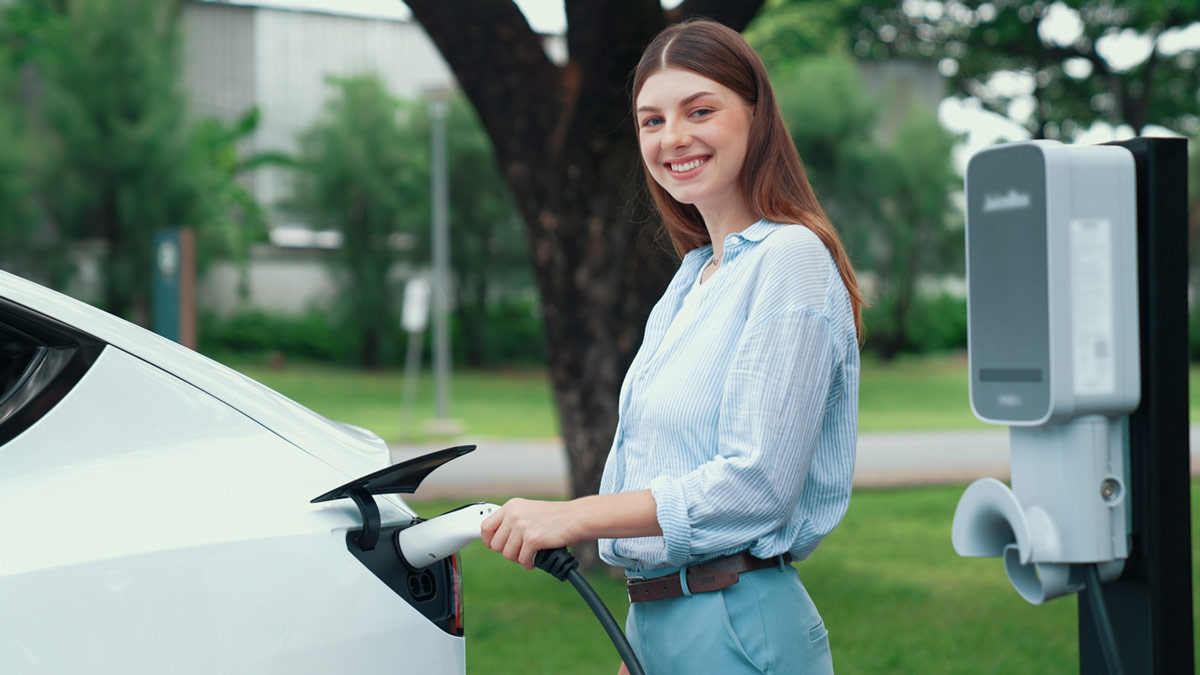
<point x="702" y="112"/>
<point x="651" y="122"/>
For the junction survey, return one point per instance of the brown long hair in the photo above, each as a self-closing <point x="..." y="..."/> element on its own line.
<point x="773" y="179"/>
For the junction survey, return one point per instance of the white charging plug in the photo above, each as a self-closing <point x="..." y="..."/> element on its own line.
<point x="447" y="534"/>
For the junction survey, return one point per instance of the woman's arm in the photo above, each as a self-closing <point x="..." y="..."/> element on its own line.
<point x="523" y="527"/>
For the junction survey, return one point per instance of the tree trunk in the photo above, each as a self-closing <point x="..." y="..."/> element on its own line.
<point x="472" y="289"/>
<point x="565" y="140"/>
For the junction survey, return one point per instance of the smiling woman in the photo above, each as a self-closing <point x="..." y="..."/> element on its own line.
<point x="734" y="449"/>
<point x="693" y="134"/>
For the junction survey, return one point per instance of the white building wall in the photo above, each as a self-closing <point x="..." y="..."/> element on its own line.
<point x="218" y="59"/>
<point x="219" y="66"/>
<point x="241" y="55"/>
<point x="278" y="280"/>
<point x="282" y="281"/>
<point x="296" y="52"/>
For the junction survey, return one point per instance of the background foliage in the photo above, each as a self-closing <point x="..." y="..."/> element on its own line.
<point x="489" y="257"/>
<point x="888" y="190"/>
<point x="1075" y="81"/>
<point x="365" y="171"/>
<point x="17" y="171"/>
<point x="110" y="154"/>
<point x="98" y="149"/>
<point x="517" y="339"/>
<point x="359" y="177"/>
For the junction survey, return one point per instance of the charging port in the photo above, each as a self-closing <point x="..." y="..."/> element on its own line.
<point x="421" y="585"/>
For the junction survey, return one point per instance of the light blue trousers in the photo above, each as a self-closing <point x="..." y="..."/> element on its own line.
<point x="765" y="623"/>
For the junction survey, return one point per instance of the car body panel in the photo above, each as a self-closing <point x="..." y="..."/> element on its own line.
<point x="201" y="611"/>
<point x="154" y="523"/>
<point x="354" y="451"/>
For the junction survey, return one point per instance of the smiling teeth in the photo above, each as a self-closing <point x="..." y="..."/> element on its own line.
<point x="688" y="166"/>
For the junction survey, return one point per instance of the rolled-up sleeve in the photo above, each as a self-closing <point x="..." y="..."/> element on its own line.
<point x="774" y="399"/>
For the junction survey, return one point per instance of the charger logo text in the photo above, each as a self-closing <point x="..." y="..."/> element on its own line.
<point x="1009" y="201"/>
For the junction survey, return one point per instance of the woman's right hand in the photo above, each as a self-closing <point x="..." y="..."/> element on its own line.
<point x="522" y="527"/>
<point x="623" y="670"/>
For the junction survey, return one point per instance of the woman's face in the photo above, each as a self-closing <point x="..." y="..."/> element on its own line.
<point x="693" y="134"/>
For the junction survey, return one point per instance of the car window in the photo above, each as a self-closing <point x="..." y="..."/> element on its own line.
<point x="41" y="360"/>
<point x="16" y="352"/>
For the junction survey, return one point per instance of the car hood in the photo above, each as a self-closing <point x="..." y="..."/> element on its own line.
<point x="352" y="450"/>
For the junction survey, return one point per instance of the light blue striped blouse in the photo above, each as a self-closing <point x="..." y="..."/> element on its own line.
<point x="744" y="428"/>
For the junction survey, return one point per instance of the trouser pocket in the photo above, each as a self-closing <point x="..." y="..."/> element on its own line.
<point x="744" y="625"/>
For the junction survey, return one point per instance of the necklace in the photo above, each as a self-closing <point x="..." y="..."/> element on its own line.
<point x="715" y="261"/>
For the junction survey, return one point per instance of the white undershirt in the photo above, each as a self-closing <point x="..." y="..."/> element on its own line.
<point x="687" y="312"/>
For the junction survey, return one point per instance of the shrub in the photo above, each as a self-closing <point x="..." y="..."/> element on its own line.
<point x="513" y="337"/>
<point x="255" y="334"/>
<point x="514" y="334"/>
<point x="935" y="323"/>
<point x="938" y="324"/>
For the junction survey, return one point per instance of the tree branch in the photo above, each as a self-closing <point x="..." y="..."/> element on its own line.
<point x="499" y="61"/>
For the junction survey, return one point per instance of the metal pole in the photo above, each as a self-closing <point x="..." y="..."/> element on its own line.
<point x="415" y="321"/>
<point x="412" y="370"/>
<point x="441" y="260"/>
<point x="1151" y="604"/>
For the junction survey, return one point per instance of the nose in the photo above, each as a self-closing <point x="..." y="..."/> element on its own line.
<point x="675" y="136"/>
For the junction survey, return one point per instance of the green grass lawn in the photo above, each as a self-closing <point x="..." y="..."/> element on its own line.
<point x="908" y="394"/>
<point x="894" y="595"/>
<point x="915" y="393"/>
<point x="505" y="404"/>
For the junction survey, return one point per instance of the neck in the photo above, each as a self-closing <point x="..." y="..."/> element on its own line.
<point x="724" y="220"/>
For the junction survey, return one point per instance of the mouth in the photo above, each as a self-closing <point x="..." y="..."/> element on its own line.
<point x="687" y="166"/>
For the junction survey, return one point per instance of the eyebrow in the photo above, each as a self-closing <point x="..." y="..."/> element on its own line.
<point x="684" y="102"/>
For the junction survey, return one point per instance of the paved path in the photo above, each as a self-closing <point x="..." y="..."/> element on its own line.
<point x="539" y="468"/>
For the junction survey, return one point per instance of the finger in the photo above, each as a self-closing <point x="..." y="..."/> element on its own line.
<point x="512" y="548"/>
<point x="500" y="538"/>
<point x="487" y="529"/>
<point x="528" y="551"/>
<point x="623" y="670"/>
<point x="489" y="524"/>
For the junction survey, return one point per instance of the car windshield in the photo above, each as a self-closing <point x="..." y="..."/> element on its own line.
<point x="16" y="351"/>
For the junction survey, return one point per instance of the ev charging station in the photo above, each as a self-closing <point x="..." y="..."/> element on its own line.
<point x="1077" y="329"/>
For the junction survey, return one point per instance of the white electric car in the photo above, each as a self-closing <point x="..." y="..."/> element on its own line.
<point x="157" y="516"/>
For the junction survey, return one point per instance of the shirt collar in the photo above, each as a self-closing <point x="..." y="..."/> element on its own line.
<point x="758" y="231"/>
<point x="755" y="233"/>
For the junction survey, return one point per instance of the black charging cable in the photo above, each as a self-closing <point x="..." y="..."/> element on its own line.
<point x="560" y="564"/>
<point x="1108" y="640"/>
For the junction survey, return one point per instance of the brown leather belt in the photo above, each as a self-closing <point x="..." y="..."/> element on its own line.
<point x="703" y="578"/>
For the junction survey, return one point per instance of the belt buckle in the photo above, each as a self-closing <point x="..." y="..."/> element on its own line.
<point x="633" y="580"/>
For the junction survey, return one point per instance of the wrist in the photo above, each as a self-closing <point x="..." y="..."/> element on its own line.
<point x="615" y="516"/>
<point x="585" y="519"/>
